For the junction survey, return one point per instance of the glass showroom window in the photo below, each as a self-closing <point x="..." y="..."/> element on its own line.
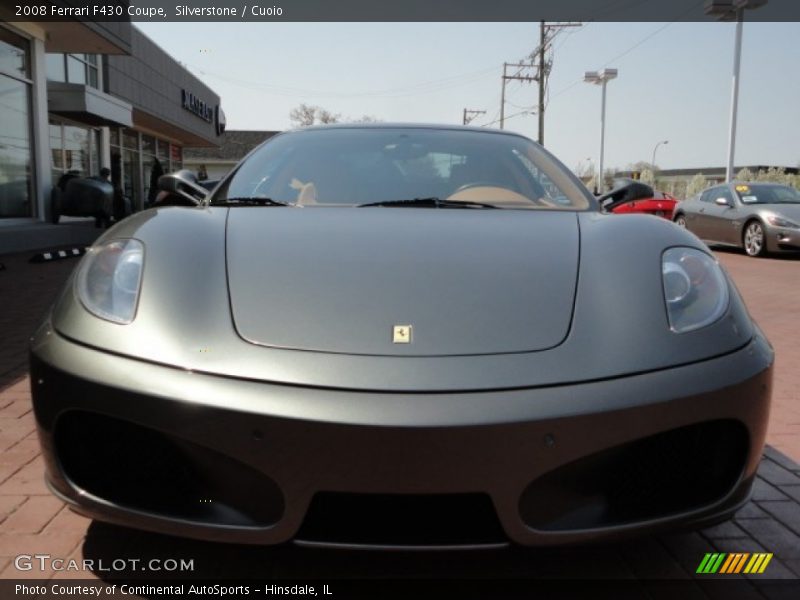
<point x="16" y="142"/>
<point x="152" y="167"/>
<point x="74" y="68"/>
<point x="73" y="148"/>
<point x="132" y="168"/>
<point x="115" y="139"/>
<point x="163" y="153"/>
<point x="176" y="157"/>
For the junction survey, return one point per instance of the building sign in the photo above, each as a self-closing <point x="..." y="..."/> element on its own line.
<point x="196" y="106"/>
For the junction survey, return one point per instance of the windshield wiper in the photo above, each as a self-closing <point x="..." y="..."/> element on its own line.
<point x="252" y="201"/>
<point x="432" y="202"/>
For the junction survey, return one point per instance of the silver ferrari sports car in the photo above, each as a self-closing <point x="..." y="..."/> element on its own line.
<point x="396" y="335"/>
<point x="759" y="217"/>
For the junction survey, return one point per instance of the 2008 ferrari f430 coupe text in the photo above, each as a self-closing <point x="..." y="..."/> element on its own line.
<point x="399" y="336"/>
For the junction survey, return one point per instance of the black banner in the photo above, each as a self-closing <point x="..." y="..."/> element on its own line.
<point x="390" y="589"/>
<point x="399" y="10"/>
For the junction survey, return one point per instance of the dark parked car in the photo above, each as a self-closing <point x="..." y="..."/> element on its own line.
<point x="758" y="217"/>
<point x="165" y="198"/>
<point x="399" y="336"/>
<point x="87" y="197"/>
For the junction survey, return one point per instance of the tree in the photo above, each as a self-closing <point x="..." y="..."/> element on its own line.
<point x="306" y="115"/>
<point x="774" y="175"/>
<point x="745" y="174"/>
<point x="677" y="188"/>
<point x="592" y="183"/>
<point x="647" y="176"/>
<point x="303" y="115"/>
<point x="640" y="166"/>
<point x="364" y="119"/>
<point x="584" y="169"/>
<point x="324" y="116"/>
<point x="696" y="185"/>
<point x="609" y="178"/>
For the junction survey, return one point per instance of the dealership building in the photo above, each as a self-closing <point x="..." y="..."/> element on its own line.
<point x="79" y="96"/>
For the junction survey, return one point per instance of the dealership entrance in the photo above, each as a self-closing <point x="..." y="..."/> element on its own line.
<point x="77" y="97"/>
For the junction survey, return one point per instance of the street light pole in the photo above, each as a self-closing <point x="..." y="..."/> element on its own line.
<point x="602" y="180"/>
<point x="728" y="10"/>
<point x="737" y="56"/>
<point x="601" y="78"/>
<point x="653" y="162"/>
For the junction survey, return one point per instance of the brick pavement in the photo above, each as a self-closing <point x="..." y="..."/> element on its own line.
<point x="32" y="521"/>
<point x="771" y="289"/>
<point x="26" y="291"/>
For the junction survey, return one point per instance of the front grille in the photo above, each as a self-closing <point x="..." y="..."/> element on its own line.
<point x="402" y="520"/>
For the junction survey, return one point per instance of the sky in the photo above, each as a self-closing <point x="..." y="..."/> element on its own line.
<point x="674" y="82"/>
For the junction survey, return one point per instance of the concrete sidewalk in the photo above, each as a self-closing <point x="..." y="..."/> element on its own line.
<point x="27" y="236"/>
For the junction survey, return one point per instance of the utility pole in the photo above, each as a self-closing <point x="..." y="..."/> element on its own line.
<point x="503" y="96"/>
<point x="542" y="78"/>
<point x="469" y="115"/>
<point x="518" y="76"/>
<point x="547" y="33"/>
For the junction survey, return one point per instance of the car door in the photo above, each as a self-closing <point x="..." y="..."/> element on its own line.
<point x="719" y="218"/>
<point x="696" y="218"/>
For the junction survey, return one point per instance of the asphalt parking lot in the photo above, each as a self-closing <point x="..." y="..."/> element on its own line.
<point x="32" y="521"/>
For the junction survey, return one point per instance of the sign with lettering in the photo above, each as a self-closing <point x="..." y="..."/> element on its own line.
<point x="196" y="106"/>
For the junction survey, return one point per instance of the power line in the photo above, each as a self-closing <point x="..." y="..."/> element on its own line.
<point x="632" y="48"/>
<point x="509" y="117"/>
<point x="518" y="76"/>
<point x="531" y="108"/>
<point x="411" y="89"/>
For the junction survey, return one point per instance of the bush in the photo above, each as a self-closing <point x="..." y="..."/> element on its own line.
<point x="696" y="185"/>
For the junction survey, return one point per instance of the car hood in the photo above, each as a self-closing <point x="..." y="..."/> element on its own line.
<point x="339" y="279"/>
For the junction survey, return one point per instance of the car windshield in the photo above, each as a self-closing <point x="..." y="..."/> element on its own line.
<point x="402" y="167"/>
<point x="767" y="194"/>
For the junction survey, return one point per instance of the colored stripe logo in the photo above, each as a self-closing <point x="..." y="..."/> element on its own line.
<point x="734" y="562"/>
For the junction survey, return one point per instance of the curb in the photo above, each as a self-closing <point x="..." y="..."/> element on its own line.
<point x="52" y="255"/>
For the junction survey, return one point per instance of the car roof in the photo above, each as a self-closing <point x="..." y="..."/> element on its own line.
<point x="443" y="127"/>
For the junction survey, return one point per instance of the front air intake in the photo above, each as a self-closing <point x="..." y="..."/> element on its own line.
<point x="146" y="470"/>
<point x="668" y="473"/>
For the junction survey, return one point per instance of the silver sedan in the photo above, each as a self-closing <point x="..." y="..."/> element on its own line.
<point x="759" y="217"/>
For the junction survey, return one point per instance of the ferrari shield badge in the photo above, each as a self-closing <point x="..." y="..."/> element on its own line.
<point x="401" y="334"/>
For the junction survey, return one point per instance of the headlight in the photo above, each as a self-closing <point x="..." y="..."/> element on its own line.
<point x="109" y="280"/>
<point x="777" y="221"/>
<point x="695" y="289"/>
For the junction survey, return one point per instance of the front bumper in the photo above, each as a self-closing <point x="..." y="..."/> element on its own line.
<point x="782" y="239"/>
<point x="248" y="462"/>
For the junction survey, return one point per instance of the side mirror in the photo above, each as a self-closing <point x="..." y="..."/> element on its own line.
<point x="182" y="189"/>
<point x="722" y="202"/>
<point x="633" y="190"/>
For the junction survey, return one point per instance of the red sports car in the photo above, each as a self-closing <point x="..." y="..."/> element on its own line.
<point x="660" y="205"/>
